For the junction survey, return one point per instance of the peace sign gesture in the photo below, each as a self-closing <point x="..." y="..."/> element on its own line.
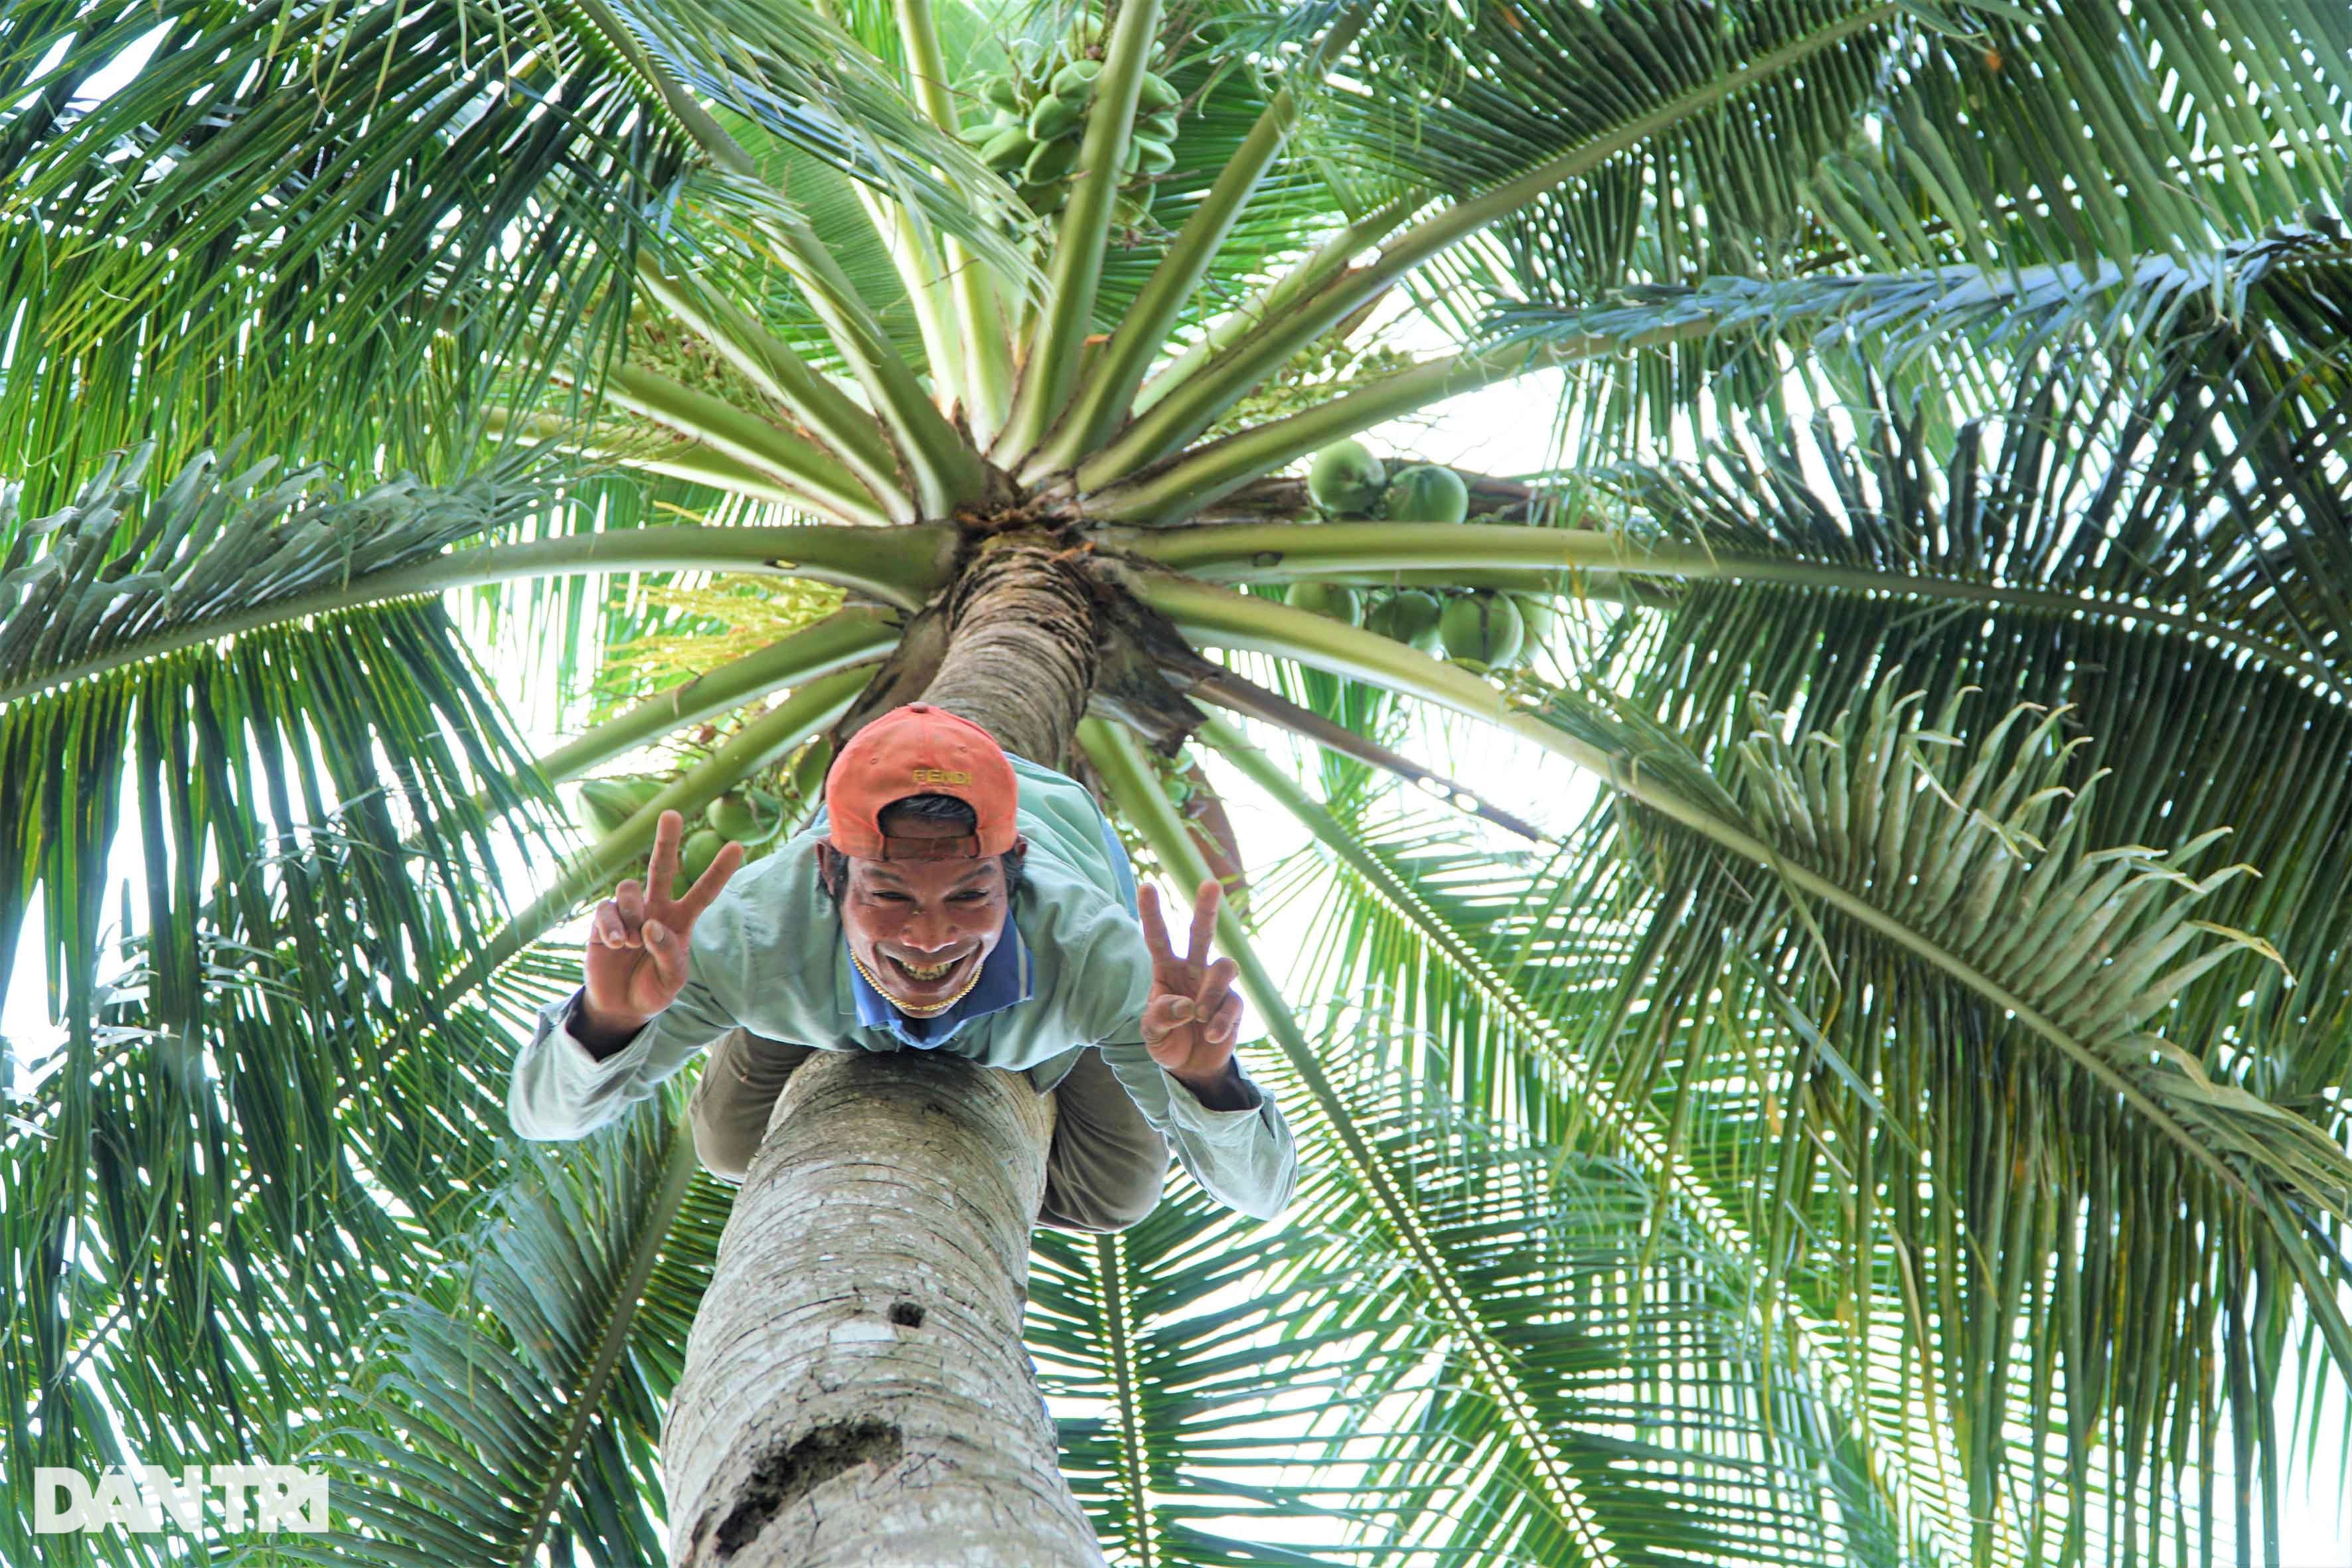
<point x="636" y="957"/>
<point x="1193" y="1016"/>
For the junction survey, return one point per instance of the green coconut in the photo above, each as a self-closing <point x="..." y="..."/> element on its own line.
<point x="694" y="857"/>
<point x="1409" y="616"/>
<point x="1537" y="615"/>
<point x="1346" y="477"/>
<point x="1482" y="629"/>
<point x="606" y="804"/>
<point x="1427" y="494"/>
<point x="1008" y="149"/>
<point x="733" y="817"/>
<point x="1332" y="599"/>
<point x="1052" y="118"/>
<point x="1049" y="162"/>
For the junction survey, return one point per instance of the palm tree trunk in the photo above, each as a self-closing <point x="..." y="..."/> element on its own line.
<point x="856" y="1390"/>
<point x="1021" y="649"/>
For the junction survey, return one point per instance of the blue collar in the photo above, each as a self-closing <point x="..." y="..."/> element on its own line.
<point x="1003" y="982"/>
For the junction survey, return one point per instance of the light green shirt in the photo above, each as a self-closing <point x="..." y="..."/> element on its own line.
<point x="768" y="956"/>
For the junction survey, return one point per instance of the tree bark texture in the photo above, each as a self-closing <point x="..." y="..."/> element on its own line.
<point x="857" y="1394"/>
<point x="1021" y="649"/>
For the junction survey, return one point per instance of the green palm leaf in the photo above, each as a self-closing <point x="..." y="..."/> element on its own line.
<point x="514" y="1401"/>
<point x="283" y="221"/>
<point x="1843" y="866"/>
<point x="1258" y="1384"/>
<point x="1945" y="339"/>
<point x="2163" y="560"/>
<point x="260" y="758"/>
<point x="1860" y="1126"/>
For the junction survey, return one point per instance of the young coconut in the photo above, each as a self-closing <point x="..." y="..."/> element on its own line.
<point x="1482" y="628"/>
<point x="1427" y="494"/>
<point x="1409" y="616"/>
<point x="1346" y="477"/>
<point x="694" y="858"/>
<point x="1535" y="613"/>
<point x="1335" y="600"/>
<point x="606" y="804"/>
<point x="740" y="818"/>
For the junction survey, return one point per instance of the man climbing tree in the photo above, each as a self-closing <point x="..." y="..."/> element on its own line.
<point x="948" y="897"/>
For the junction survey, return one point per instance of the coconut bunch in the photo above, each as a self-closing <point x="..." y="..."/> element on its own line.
<point x="1034" y="122"/>
<point x="759" y="818"/>
<point x="1477" y="627"/>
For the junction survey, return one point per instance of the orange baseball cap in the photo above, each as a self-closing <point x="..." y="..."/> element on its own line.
<point x="921" y="750"/>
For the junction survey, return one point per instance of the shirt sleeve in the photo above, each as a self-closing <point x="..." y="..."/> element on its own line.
<point x="561" y="1090"/>
<point x="1244" y="1158"/>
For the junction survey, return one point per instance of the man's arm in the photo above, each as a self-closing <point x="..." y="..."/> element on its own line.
<point x="572" y="1077"/>
<point x="1243" y="1157"/>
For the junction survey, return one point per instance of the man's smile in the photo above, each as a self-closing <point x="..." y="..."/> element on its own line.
<point x="925" y="974"/>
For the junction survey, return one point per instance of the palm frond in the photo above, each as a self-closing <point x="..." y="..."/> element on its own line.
<point x="2047" y="133"/>
<point x="2176" y="555"/>
<point x="1748" y="139"/>
<point x="207" y="1222"/>
<point x="1752" y="148"/>
<point x="1992" y="1018"/>
<point x="1947" y="340"/>
<point x="288" y="704"/>
<point x="272" y="784"/>
<point x="1492" y="975"/>
<point x="1535" y="1491"/>
<point x="1699" y="122"/>
<point x="809" y="84"/>
<point x="1857" y="892"/>
<point x="1262" y="1389"/>
<point x="319" y="198"/>
<point x="509" y="1405"/>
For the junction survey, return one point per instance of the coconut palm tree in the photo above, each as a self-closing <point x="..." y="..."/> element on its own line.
<point x="1901" y="1121"/>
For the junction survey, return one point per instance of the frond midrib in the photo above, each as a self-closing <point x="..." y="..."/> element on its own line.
<point x="613" y="1335"/>
<point x="1273" y="551"/>
<point x="1131" y="785"/>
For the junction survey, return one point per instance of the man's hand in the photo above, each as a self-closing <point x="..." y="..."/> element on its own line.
<point x="636" y="958"/>
<point x="1193" y="1016"/>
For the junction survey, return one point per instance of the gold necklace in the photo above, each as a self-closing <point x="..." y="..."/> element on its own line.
<point x="912" y="1010"/>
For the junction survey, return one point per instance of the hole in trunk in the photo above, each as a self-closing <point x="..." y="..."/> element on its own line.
<point x="906" y="1314"/>
<point x="788" y="1474"/>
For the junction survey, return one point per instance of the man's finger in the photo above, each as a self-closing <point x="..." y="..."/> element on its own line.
<point x="606" y="926"/>
<point x="1155" y="930"/>
<point x="1205" y="921"/>
<point x="1215" y="986"/>
<point x="1225" y="1024"/>
<point x="668" y="950"/>
<point x="706" y="888"/>
<point x="1163" y="1015"/>
<point x="630" y="897"/>
<point x="661" y="871"/>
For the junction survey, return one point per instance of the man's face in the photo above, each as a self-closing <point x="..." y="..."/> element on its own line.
<point x="922" y="928"/>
